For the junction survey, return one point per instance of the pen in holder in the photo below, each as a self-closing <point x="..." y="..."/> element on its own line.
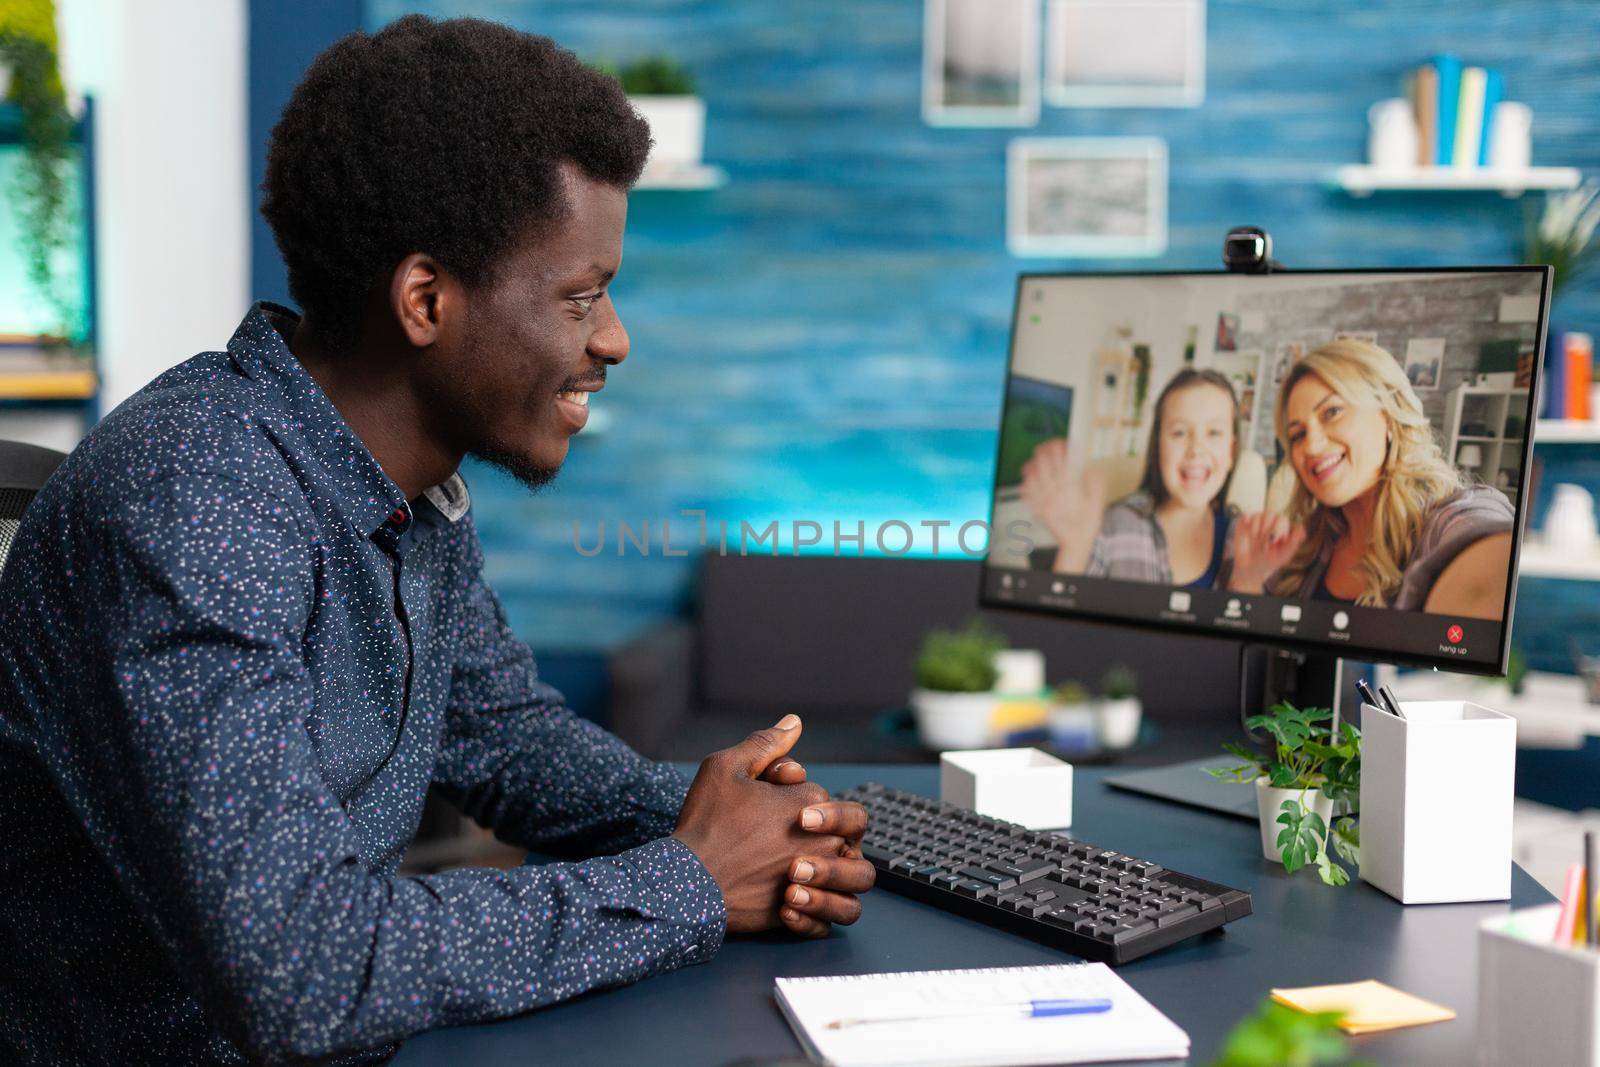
<point x="1436" y="796"/>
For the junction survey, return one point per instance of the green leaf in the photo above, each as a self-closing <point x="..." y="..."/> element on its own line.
<point x="1331" y="873"/>
<point x="1282" y="777"/>
<point x="1295" y="840"/>
<point x="1347" y="840"/>
<point x="1236" y="749"/>
<point x="1276" y="1036"/>
<point x="1317" y="826"/>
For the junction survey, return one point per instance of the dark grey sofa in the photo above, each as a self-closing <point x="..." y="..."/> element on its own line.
<point x="833" y="639"/>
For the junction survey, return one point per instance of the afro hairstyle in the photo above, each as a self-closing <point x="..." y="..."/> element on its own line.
<point x="441" y="137"/>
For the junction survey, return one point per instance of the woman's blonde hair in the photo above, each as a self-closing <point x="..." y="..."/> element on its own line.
<point x="1415" y="473"/>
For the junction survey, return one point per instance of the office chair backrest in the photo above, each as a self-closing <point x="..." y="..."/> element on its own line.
<point x="23" y="469"/>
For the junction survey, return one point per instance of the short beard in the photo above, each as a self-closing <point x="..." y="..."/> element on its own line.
<point x="529" y="474"/>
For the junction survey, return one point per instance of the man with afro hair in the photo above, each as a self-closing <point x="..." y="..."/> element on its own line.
<point x="244" y="627"/>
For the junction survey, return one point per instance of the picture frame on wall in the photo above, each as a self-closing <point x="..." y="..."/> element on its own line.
<point x="1424" y="362"/>
<point x="1088" y="197"/>
<point x="980" y="62"/>
<point x="1125" y="53"/>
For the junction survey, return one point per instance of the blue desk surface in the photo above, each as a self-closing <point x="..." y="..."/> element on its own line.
<point x="1302" y="933"/>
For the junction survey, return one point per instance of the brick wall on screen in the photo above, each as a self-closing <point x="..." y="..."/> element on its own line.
<point x="825" y="337"/>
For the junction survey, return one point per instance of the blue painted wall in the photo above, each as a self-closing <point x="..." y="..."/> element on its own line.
<point x="825" y="337"/>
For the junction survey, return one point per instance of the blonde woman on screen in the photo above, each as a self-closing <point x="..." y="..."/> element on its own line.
<point x="1378" y="517"/>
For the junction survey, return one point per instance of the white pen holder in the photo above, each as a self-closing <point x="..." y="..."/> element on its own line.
<point x="1436" y="796"/>
<point x="1538" y="1002"/>
<point x="1021" y="785"/>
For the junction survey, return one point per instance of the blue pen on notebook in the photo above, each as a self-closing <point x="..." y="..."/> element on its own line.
<point x="1030" y="1009"/>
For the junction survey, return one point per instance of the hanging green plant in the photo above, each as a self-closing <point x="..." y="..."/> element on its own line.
<point x="41" y="192"/>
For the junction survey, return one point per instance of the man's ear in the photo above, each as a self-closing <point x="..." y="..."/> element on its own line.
<point x="420" y="295"/>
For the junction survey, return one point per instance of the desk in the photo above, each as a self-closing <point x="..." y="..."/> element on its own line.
<point x="1302" y="933"/>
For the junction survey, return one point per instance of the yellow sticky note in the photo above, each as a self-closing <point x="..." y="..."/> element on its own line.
<point x="1368" y="1006"/>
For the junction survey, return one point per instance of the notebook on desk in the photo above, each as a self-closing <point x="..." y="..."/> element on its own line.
<point x="959" y="1018"/>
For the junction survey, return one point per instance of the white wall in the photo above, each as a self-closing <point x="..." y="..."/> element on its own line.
<point x="172" y="198"/>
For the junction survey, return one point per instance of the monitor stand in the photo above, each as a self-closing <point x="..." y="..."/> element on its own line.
<point x="1266" y="676"/>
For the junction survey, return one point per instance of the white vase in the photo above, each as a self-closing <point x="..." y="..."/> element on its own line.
<point x="678" y="130"/>
<point x="1392" y="135"/>
<point x="1569" y="525"/>
<point x="5" y="80"/>
<point x="1116" y="722"/>
<point x="1071" y="726"/>
<point x="1269" y="805"/>
<point x="953" y="720"/>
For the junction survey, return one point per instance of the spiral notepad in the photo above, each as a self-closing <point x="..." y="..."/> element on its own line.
<point x="932" y="1026"/>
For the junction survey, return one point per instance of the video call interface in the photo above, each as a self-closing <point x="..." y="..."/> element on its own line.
<point x="1334" y="459"/>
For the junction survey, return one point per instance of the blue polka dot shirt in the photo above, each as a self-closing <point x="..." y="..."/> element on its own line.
<point x="233" y="657"/>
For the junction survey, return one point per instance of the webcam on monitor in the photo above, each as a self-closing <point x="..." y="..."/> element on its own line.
<point x="1248" y="250"/>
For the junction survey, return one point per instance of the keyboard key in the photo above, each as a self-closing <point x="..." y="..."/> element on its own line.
<point x="1025" y="870"/>
<point x="1176" y="915"/>
<point x="876" y="853"/>
<point x="994" y="878"/>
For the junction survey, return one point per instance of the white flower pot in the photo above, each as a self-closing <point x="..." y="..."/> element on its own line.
<point x="678" y="128"/>
<point x="5" y="80"/>
<point x="953" y="720"/>
<point x="1117" y="721"/>
<point x="1071" y="726"/>
<point x="1269" y="805"/>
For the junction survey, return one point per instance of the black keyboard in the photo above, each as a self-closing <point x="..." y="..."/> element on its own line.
<point x="1088" y="901"/>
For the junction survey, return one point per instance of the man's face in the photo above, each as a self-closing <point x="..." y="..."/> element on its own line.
<point x="514" y="376"/>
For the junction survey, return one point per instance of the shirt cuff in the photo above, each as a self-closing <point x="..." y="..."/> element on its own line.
<point x="676" y="888"/>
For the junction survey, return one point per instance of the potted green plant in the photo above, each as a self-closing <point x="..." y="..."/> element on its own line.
<point x="1563" y="235"/>
<point x="954" y="701"/>
<point x="1118" y="712"/>
<point x="662" y="91"/>
<point x="1517" y="671"/>
<point x="1070" y="718"/>
<point x="1277" y="1036"/>
<point x="1311" y="768"/>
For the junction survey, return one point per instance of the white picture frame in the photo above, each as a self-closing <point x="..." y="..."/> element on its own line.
<point x="994" y="40"/>
<point x="1424" y="363"/>
<point x="1125" y="53"/>
<point x="1086" y="197"/>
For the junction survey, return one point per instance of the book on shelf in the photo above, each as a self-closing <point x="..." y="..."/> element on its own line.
<point x="1425" y="100"/>
<point x="1448" y="69"/>
<point x="1469" y="118"/>
<point x="1580" y="370"/>
<point x="1494" y="90"/>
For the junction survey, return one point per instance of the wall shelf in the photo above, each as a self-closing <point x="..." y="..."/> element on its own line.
<point x="1539" y="561"/>
<point x="1362" y="181"/>
<point x="703" y="177"/>
<point x="1566" y="431"/>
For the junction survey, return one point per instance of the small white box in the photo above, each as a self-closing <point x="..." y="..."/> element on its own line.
<point x="1020" y="785"/>
<point x="1537" y="1002"/>
<point x="1436" y="799"/>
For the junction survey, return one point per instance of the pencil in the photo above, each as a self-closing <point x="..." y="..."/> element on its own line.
<point x="1588" y="888"/>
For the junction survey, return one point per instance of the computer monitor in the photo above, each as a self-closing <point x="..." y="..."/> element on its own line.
<point x="1334" y="462"/>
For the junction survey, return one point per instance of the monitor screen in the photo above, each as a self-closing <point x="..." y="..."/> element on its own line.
<point x="1335" y="461"/>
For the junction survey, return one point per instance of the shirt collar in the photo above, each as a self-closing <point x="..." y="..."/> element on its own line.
<point x="367" y="496"/>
